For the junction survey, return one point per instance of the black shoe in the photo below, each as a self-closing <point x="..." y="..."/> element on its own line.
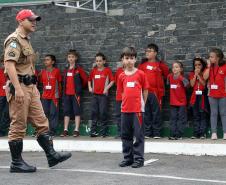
<point x="94" y="134"/>
<point x="18" y="165"/>
<point x="125" y="163"/>
<point x="53" y="157"/>
<point x="137" y="164"/>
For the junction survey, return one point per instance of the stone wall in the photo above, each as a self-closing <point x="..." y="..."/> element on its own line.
<point x="182" y="29"/>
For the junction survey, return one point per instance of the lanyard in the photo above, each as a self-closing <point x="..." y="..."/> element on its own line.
<point x="214" y="74"/>
<point x="48" y="74"/>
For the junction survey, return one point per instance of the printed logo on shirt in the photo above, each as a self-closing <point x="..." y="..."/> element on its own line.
<point x="221" y="72"/>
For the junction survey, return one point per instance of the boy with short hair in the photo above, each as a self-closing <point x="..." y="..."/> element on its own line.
<point x="133" y="85"/>
<point x="156" y="71"/>
<point x="74" y="79"/>
<point x="100" y="81"/>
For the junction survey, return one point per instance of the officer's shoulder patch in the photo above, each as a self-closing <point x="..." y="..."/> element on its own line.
<point x="11" y="54"/>
<point x="13" y="44"/>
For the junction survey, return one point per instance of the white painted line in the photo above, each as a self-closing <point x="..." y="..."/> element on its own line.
<point x="132" y="174"/>
<point x="148" y="162"/>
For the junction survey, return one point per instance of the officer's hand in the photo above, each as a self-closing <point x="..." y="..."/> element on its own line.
<point x="19" y="95"/>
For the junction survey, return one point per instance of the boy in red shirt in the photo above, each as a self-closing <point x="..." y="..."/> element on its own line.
<point x="178" y="100"/>
<point x="4" y="107"/>
<point x="156" y="72"/>
<point x="133" y="86"/>
<point x="51" y="79"/>
<point x="99" y="82"/>
<point x="74" y="79"/>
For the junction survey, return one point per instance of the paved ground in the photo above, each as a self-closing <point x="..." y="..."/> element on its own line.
<point x="102" y="169"/>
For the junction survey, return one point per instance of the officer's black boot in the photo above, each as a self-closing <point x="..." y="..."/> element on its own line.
<point x="53" y="157"/>
<point x="18" y="165"/>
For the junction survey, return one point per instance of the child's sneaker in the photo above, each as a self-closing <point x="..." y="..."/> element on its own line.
<point x="94" y="134"/>
<point x="157" y="137"/>
<point x="76" y="133"/>
<point x="214" y="136"/>
<point x="64" y="134"/>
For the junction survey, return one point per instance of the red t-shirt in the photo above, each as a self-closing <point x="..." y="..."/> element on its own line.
<point x="177" y="91"/>
<point x="51" y="83"/>
<point x="2" y="82"/>
<point x="70" y="85"/>
<point x="217" y="79"/>
<point x="118" y="72"/>
<point x="131" y="87"/>
<point x="70" y="76"/>
<point x="156" y="72"/>
<point x="100" y="79"/>
<point x="197" y="88"/>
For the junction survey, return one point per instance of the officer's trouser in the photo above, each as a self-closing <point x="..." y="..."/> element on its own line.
<point x="30" y="111"/>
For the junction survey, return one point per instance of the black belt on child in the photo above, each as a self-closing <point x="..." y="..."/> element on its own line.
<point x="27" y="79"/>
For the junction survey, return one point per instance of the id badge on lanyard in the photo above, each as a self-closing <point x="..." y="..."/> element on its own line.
<point x="213" y="86"/>
<point x="173" y="86"/>
<point x="48" y="87"/>
<point x="198" y="92"/>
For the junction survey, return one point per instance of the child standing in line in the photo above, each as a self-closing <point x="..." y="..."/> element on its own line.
<point x="178" y="102"/>
<point x="118" y="102"/>
<point x="198" y="99"/>
<point x="4" y="107"/>
<point x="74" y="79"/>
<point x="133" y="86"/>
<point x="51" y="79"/>
<point x="156" y="72"/>
<point x="216" y="73"/>
<point x="99" y="82"/>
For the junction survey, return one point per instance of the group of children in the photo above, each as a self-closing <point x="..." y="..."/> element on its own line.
<point x="139" y="96"/>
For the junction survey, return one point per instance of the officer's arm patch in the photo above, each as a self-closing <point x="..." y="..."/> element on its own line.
<point x="13" y="44"/>
<point x="11" y="54"/>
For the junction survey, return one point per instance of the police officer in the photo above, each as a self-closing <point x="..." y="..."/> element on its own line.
<point x="23" y="96"/>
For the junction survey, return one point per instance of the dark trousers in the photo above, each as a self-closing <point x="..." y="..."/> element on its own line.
<point x="118" y="116"/>
<point x="178" y="120"/>
<point x="199" y="118"/>
<point x="99" y="113"/>
<point x="152" y="121"/>
<point x="132" y="127"/>
<point x="4" y="115"/>
<point x="52" y="113"/>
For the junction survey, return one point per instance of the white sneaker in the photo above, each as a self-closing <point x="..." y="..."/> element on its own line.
<point x="157" y="137"/>
<point x="214" y="136"/>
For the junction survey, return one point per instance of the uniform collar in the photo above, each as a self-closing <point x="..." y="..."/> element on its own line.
<point x="21" y="34"/>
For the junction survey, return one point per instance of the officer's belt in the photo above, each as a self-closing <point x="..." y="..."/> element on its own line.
<point x="27" y="79"/>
